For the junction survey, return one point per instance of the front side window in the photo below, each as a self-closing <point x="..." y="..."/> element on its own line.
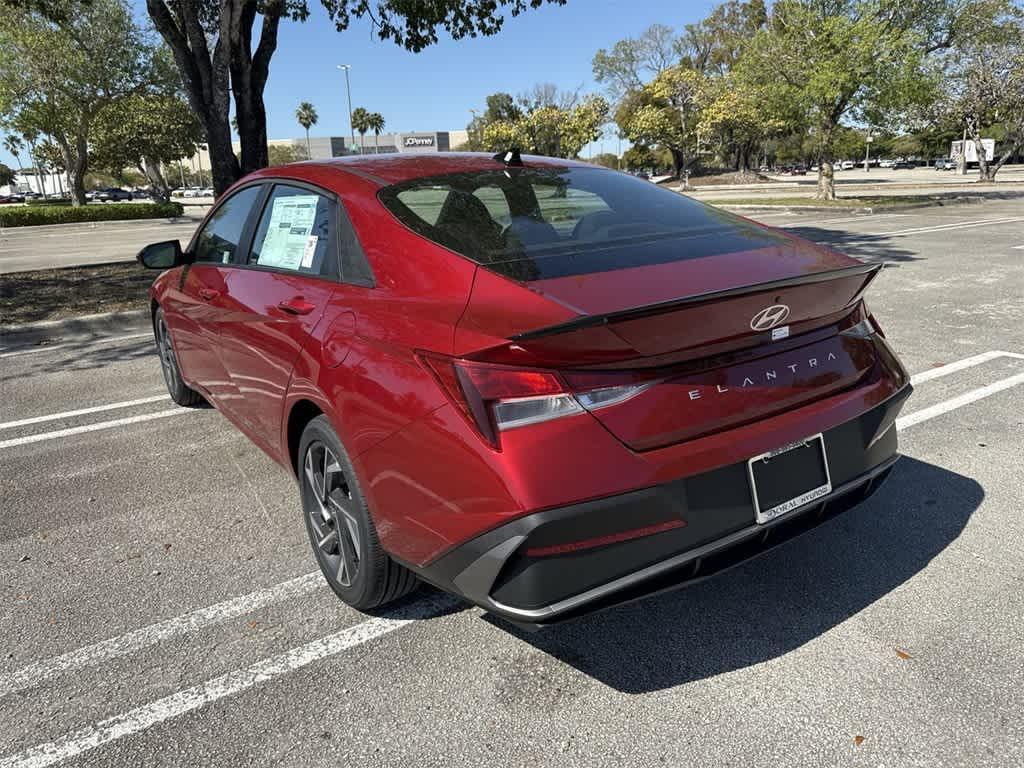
<point x="220" y="238"/>
<point x="295" y="233"/>
<point x="543" y="223"/>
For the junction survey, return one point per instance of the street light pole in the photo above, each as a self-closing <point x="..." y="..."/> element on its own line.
<point x="867" y="152"/>
<point x="348" y="96"/>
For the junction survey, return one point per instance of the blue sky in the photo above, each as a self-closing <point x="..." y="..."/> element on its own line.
<point x="435" y="89"/>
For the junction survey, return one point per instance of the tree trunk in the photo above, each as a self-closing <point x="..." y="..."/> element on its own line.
<point x="154" y="174"/>
<point x="826" y="181"/>
<point x="678" y="161"/>
<point x="983" y="167"/>
<point x="376" y="143"/>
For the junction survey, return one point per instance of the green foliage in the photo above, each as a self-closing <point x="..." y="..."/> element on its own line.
<point x="56" y="76"/>
<point x="28" y="216"/>
<point x="667" y="112"/>
<point x="6" y="175"/>
<point x="282" y="154"/>
<point x="548" y="130"/>
<point x="607" y="159"/>
<point x="153" y="126"/>
<point x="638" y="157"/>
<point x="306" y="115"/>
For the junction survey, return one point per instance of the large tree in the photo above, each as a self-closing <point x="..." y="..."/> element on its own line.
<point x="65" y="63"/>
<point x="307" y="117"/>
<point x="837" y="60"/>
<point x="548" y="129"/>
<point x="145" y="132"/>
<point x="667" y="112"/>
<point x="983" y="84"/>
<point x="220" y="61"/>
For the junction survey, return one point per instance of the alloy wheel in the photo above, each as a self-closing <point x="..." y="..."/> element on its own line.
<point x="332" y="513"/>
<point x="168" y="364"/>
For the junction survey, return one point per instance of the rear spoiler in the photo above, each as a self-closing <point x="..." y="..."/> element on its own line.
<point x="588" y="321"/>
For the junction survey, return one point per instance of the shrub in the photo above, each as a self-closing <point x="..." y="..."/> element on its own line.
<point x="28" y="216"/>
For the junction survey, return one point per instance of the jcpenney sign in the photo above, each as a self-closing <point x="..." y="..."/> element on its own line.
<point x="419" y="141"/>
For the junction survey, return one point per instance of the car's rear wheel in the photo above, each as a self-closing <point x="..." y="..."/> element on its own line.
<point x="179" y="391"/>
<point x="341" y="531"/>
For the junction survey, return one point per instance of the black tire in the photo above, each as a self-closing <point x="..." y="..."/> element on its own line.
<point x="341" y="530"/>
<point x="176" y="387"/>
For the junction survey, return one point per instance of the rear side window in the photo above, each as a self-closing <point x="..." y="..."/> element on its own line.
<point x="541" y="223"/>
<point x="295" y="233"/>
<point x="219" y="239"/>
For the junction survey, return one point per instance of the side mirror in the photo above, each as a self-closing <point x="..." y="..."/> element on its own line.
<point x="161" y="255"/>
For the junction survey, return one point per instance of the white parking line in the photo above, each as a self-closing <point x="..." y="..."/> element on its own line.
<point x="82" y="411"/>
<point x="958" y="402"/>
<point x="177" y="704"/>
<point x="15" y="441"/>
<point x="959" y="365"/>
<point x="130" y="642"/>
<point x="84" y="342"/>
<point x="1017" y="247"/>
<point x="954" y="225"/>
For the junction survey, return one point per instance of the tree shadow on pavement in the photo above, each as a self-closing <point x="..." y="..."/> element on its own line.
<point x="776" y="603"/>
<point x="862" y="245"/>
<point x="79" y="355"/>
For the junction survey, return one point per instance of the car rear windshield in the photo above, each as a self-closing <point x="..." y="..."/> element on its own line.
<point x="541" y="223"/>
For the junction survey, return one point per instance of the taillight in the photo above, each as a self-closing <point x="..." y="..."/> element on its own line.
<point x="495" y="398"/>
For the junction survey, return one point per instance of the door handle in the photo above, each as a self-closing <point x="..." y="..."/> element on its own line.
<point x="296" y="305"/>
<point x="208" y="294"/>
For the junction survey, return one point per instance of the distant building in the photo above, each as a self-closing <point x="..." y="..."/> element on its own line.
<point x="325" y="147"/>
<point x="44" y="183"/>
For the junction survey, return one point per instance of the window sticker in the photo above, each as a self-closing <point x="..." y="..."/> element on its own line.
<point x="288" y="234"/>
<point x="309" y="251"/>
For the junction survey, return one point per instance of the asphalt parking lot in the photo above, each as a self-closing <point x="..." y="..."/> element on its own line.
<point x="66" y="245"/>
<point x="158" y="607"/>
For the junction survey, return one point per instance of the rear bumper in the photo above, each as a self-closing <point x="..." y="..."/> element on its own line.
<point x="527" y="570"/>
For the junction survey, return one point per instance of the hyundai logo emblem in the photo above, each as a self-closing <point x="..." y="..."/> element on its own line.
<point x="769" y="317"/>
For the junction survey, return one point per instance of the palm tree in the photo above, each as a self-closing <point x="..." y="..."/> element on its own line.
<point x="360" y="121"/>
<point x="376" y="122"/>
<point x="14" y="145"/>
<point x="307" y="117"/>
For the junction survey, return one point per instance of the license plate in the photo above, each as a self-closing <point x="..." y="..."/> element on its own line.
<point x="788" y="477"/>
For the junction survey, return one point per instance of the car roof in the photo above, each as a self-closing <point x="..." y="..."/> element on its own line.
<point x="393" y="168"/>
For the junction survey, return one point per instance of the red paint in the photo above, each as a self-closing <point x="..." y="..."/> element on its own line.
<point x="259" y="342"/>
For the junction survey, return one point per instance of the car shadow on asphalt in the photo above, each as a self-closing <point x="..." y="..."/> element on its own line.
<point x="776" y="603"/>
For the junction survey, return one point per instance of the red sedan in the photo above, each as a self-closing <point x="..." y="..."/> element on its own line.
<point x="542" y="385"/>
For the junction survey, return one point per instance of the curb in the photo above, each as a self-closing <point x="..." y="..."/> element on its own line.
<point x="765" y="208"/>
<point x="74" y="328"/>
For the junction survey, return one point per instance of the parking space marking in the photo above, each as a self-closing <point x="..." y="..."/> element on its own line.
<point x="959" y="365"/>
<point x="1018" y="247"/>
<point x="117" y="727"/>
<point x="954" y="225"/>
<point x="58" y="347"/>
<point x="82" y="411"/>
<point x="958" y="402"/>
<point x="59" y="433"/>
<point x="130" y="642"/>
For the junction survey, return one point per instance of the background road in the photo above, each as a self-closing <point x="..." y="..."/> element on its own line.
<point x="69" y="245"/>
<point x="155" y="606"/>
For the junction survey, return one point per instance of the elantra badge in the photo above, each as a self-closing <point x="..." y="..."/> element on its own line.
<point x="769" y="317"/>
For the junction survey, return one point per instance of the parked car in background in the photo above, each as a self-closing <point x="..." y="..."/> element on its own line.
<point x="885" y="163"/>
<point x="14" y="197"/>
<point x="542" y="385"/>
<point x="111" y="195"/>
<point x="846" y="165"/>
<point x="206" y="192"/>
<point x="192" y="192"/>
<point x="902" y="165"/>
<point x="945" y="164"/>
